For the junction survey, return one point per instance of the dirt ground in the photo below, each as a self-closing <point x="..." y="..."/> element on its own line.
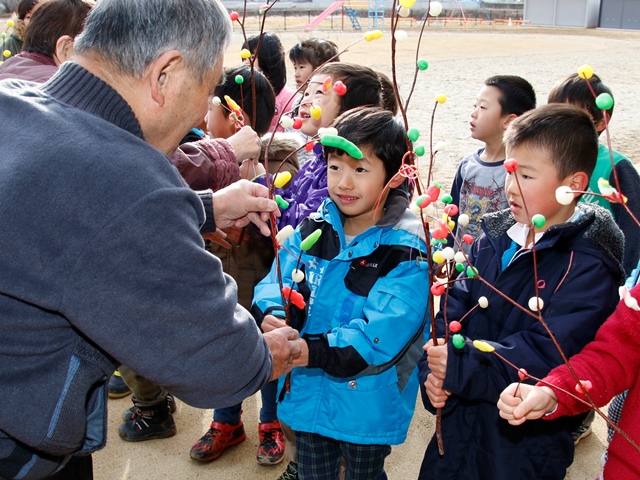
<point x="459" y="60"/>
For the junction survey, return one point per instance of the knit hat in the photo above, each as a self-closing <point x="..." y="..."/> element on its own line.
<point x="25" y="6"/>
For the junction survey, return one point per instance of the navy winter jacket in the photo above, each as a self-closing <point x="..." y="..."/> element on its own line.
<point x="579" y="271"/>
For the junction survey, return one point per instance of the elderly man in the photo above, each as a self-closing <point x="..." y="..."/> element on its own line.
<point x="101" y="255"/>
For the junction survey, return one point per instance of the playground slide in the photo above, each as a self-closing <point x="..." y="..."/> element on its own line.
<point x="316" y="21"/>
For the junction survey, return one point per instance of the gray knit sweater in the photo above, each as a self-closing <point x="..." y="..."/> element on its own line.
<point x="102" y="262"/>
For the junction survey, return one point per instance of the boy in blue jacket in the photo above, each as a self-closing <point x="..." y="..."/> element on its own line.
<point x="578" y="260"/>
<point x="352" y="393"/>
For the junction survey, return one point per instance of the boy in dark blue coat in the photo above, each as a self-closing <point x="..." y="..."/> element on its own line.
<point x="574" y="270"/>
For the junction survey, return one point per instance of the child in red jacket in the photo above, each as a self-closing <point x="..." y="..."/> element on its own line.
<point x="612" y="364"/>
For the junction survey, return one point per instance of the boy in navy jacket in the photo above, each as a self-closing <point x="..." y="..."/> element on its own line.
<point x="574" y="270"/>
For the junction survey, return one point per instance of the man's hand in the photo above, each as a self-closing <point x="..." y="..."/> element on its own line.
<point x="437" y="358"/>
<point x="437" y="395"/>
<point x="246" y="144"/>
<point x="521" y="402"/>
<point x="284" y="348"/>
<point x="243" y="202"/>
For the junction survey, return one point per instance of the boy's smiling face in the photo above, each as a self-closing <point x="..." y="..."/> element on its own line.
<point x="328" y="101"/>
<point x="355" y="186"/>
<point x="538" y="179"/>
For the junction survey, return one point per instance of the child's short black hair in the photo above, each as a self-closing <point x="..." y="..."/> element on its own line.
<point x="377" y="129"/>
<point x="516" y="94"/>
<point x="574" y="90"/>
<point x="242" y="94"/>
<point x="314" y="51"/>
<point x="270" y="58"/>
<point x="565" y="131"/>
<point x="365" y="87"/>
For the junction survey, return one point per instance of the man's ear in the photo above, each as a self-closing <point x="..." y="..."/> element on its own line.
<point x="579" y="181"/>
<point x="64" y="49"/>
<point x="396" y="181"/>
<point x="510" y="118"/>
<point x="162" y="75"/>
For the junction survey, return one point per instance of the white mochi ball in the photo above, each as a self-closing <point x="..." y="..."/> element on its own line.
<point x="483" y="302"/>
<point x="297" y="275"/>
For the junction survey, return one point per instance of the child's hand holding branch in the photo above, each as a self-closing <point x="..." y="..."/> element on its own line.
<point x="520" y="402"/>
<point x="271" y="323"/>
<point x="437" y="358"/>
<point x="246" y="144"/>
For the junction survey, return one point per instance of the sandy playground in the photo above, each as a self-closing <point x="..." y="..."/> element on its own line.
<point x="459" y="60"/>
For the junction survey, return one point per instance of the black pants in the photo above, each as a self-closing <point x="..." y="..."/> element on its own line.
<point x="78" y="468"/>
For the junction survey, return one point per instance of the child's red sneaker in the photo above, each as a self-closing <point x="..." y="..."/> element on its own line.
<point x="216" y="440"/>
<point x="271" y="448"/>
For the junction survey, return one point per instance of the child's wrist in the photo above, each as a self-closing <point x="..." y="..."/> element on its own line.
<point x="552" y="401"/>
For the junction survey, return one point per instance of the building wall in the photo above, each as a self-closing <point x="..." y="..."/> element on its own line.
<point x="620" y="14"/>
<point x="563" y="13"/>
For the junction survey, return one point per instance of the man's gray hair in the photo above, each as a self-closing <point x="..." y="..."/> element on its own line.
<point x="131" y="34"/>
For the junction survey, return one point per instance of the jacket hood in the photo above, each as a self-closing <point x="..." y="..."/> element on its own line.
<point x="395" y="208"/>
<point x="597" y="225"/>
<point x="282" y="145"/>
<point x="19" y="29"/>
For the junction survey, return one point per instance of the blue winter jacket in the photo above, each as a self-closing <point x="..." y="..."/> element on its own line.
<point x="364" y="322"/>
<point x="579" y="267"/>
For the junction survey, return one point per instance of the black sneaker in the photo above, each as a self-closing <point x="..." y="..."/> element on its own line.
<point x="117" y="387"/>
<point x="584" y="430"/>
<point x="291" y="473"/>
<point x="128" y="414"/>
<point x="149" y="422"/>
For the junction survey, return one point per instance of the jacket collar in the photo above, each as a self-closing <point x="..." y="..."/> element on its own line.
<point x="395" y="216"/>
<point x="37" y="57"/>
<point x="79" y="88"/>
<point x="596" y="225"/>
